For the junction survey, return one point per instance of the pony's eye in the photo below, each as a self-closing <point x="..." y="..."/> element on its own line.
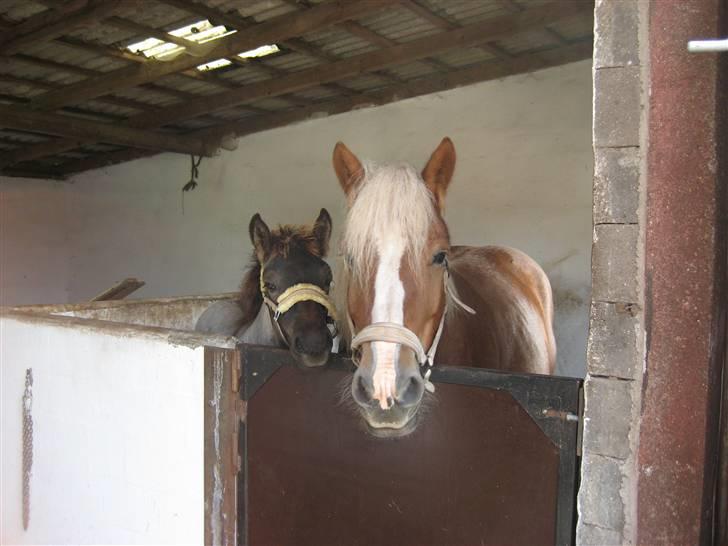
<point x="269" y="286"/>
<point x="439" y="258"/>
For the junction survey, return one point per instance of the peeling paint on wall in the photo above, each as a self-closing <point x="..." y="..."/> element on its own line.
<point x="27" y="444"/>
<point x="217" y="487"/>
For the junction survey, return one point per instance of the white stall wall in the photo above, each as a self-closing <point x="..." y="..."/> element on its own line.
<point x="118" y="436"/>
<point x="523" y="179"/>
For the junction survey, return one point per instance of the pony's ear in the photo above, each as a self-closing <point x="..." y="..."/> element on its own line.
<point x="260" y="237"/>
<point x="348" y="168"/>
<point x="322" y="231"/>
<point x="438" y="171"/>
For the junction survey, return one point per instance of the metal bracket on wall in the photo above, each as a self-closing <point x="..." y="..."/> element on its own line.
<point x="708" y="46"/>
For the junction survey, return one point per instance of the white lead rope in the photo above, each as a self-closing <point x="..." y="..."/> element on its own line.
<point x="397" y="333"/>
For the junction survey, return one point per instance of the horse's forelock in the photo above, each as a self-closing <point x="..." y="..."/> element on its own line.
<point x="390" y="202"/>
<point x="283" y="238"/>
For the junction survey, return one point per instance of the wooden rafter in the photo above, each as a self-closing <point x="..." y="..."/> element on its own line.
<point x="477" y="33"/>
<point x="78" y="126"/>
<point x="144" y="30"/>
<point x="238" y="22"/>
<point x="65" y="22"/>
<point x="490" y="70"/>
<point x="330" y="58"/>
<point x="68" y="126"/>
<point x="471" y="35"/>
<point x="279" y="28"/>
<point x="47" y="86"/>
<point x="429" y="84"/>
<point x="445" y="24"/>
<point x="41" y="20"/>
<point x="26" y="172"/>
<point x="88" y="73"/>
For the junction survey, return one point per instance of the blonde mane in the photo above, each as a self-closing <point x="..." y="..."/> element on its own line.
<point x="390" y="201"/>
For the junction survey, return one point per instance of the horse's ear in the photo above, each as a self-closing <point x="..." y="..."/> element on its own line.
<point x="260" y="237"/>
<point x="438" y="171"/>
<point x="348" y="168"/>
<point x="322" y="231"/>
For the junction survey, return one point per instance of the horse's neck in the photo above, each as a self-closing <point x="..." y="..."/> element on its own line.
<point x="261" y="331"/>
<point x="505" y="333"/>
<point x="472" y="340"/>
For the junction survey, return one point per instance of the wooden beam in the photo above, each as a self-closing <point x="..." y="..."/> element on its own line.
<point x="120" y="290"/>
<point x="42" y="19"/>
<point x="96" y="11"/>
<point x="25" y="172"/>
<point x="271" y="31"/>
<point x="102" y="160"/>
<point x="143" y="30"/>
<point x="47" y="86"/>
<point x="440" y="22"/>
<point x="488" y="70"/>
<point x="238" y="22"/>
<point x="434" y="19"/>
<point x="471" y="35"/>
<point x="67" y="126"/>
<point x="373" y="37"/>
<point x="72" y="69"/>
<point x="101" y="49"/>
<point x="215" y="16"/>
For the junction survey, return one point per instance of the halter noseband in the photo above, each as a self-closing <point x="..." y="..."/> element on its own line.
<point x="293" y="295"/>
<point x="396" y="333"/>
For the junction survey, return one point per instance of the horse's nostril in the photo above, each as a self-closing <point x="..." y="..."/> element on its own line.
<point x="411" y="391"/>
<point x="362" y="390"/>
<point x="298" y="345"/>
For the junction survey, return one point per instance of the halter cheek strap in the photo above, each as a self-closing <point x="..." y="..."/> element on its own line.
<point x="397" y="333"/>
<point x="293" y="295"/>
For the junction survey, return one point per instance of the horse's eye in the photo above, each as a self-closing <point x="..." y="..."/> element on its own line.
<point x="439" y="258"/>
<point x="269" y="286"/>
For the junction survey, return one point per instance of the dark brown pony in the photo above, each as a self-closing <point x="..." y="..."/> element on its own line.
<point x="414" y="300"/>
<point x="287" y="266"/>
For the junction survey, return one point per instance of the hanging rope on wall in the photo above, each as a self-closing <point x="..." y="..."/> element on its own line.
<point x="194" y="173"/>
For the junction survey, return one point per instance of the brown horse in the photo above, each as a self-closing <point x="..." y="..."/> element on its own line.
<point x="414" y="300"/>
<point x="289" y="275"/>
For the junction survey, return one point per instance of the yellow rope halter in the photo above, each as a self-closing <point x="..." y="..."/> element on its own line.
<point x="295" y="294"/>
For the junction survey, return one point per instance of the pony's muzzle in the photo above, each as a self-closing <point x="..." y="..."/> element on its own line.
<point x="313" y="347"/>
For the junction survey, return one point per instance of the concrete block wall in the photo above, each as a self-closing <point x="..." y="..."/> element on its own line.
<point x="615" y="352"/>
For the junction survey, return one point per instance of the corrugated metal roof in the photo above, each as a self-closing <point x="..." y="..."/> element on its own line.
<point x="91" y="50"/>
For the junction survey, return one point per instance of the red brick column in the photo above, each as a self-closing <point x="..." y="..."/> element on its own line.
<point x="685" y="277"/>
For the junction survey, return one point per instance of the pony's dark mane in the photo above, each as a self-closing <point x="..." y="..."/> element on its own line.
<point x="249" y="298"/>
<point x="282" y="239"/>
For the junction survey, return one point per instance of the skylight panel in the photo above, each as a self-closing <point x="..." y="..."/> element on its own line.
<point x="261" y="51"/>
<point x="212" y="65"/>
<point x="200" y="32"/>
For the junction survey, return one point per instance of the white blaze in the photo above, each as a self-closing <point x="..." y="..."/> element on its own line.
<point x="388" y="307"/>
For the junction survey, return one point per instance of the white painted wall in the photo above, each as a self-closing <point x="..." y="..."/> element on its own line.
<point x="523" y="179"/>
<point x="118" y="436"/>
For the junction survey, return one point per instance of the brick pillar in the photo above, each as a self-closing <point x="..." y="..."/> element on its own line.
<point x="659" y="289"/>
<point x="607" y="498"/>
